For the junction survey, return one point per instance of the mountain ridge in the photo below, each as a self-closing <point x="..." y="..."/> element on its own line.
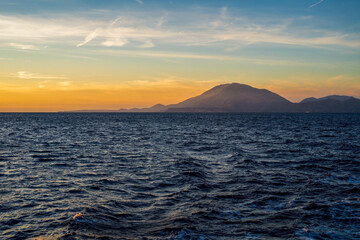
<point x="333" y="97"/>
<point x="236" y="97"/>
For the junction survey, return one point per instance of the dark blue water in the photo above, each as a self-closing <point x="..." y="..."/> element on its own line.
<point x="180" y="176"/>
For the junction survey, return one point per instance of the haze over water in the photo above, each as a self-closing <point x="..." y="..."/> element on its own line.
<point x="180" y="176"/>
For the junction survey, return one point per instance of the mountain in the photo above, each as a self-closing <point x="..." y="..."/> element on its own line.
<point x="233" y="97"/>
<point x="350" y="105"/>
<point x="155" y="108"/>
<point x="331" y="97"/>
<point x="332" y="103"/>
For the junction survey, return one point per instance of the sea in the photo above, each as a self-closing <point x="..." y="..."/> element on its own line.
<point x="179" y="176"/>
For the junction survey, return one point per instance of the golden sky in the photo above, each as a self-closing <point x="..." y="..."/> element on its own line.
<point x="124" y="54"/>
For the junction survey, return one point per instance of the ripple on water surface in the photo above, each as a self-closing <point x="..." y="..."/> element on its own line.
<point x="179" y="176"/>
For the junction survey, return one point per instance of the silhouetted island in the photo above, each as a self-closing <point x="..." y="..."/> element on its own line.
<point x="235" y="97"/>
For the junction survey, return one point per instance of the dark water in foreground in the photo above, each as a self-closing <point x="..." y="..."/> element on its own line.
<point x="180" y="176"/>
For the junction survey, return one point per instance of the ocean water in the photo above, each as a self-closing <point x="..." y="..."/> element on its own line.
<point x="179" y="176"/>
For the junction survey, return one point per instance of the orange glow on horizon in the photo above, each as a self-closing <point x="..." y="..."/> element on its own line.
<point x="110" y="99"/>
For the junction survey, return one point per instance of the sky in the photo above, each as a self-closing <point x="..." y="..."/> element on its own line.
<point x="110" y="54"/>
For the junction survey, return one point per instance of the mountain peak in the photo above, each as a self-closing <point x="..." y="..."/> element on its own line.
<point x="158" y="106"/>
<point x="235" y="97"/>
<point x="227" y="86"/>
<point x="341" y="98"/>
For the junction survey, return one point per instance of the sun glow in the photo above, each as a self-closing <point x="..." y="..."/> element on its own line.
<point x="106" y="57"/>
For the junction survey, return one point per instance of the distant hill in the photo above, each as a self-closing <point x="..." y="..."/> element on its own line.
<point x="235" y="97"/>
<point x="155" y="108"/>
<point x="331" y="97"/>
<point x="332" y="103"/>
<point x="351" y="105"/>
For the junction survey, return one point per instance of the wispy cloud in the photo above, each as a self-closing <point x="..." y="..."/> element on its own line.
<point x="139" y="1"/>
<point x="197" y="29"/>
<point x="147" y="44"/>
<point x="114" y="42"/>
<point x="176" y="55"/>
<point x="88" y="38"/>
<point x="42" y="84"/>
<point x="161" y="22"/>
<point x="65" y="85"/>
<point x="53" y="84"/>
<point x="23" y="46"/>
<point x="41" y="29"/>
<point x="316" y="3"/>
<point x="27" y="75"/>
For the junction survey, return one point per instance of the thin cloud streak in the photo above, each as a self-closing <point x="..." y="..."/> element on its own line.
<point x="316" y="4"/>
<point x="41" y="29"/>
<point x="23" y="46"/>
<point x="196" y="30"/>
<point x="27" y="75"/>
<point x="147" y="44"/>
<point x="175" y="55"/>
<point x="115" y="42"/>
<point x="88" y="38"/>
